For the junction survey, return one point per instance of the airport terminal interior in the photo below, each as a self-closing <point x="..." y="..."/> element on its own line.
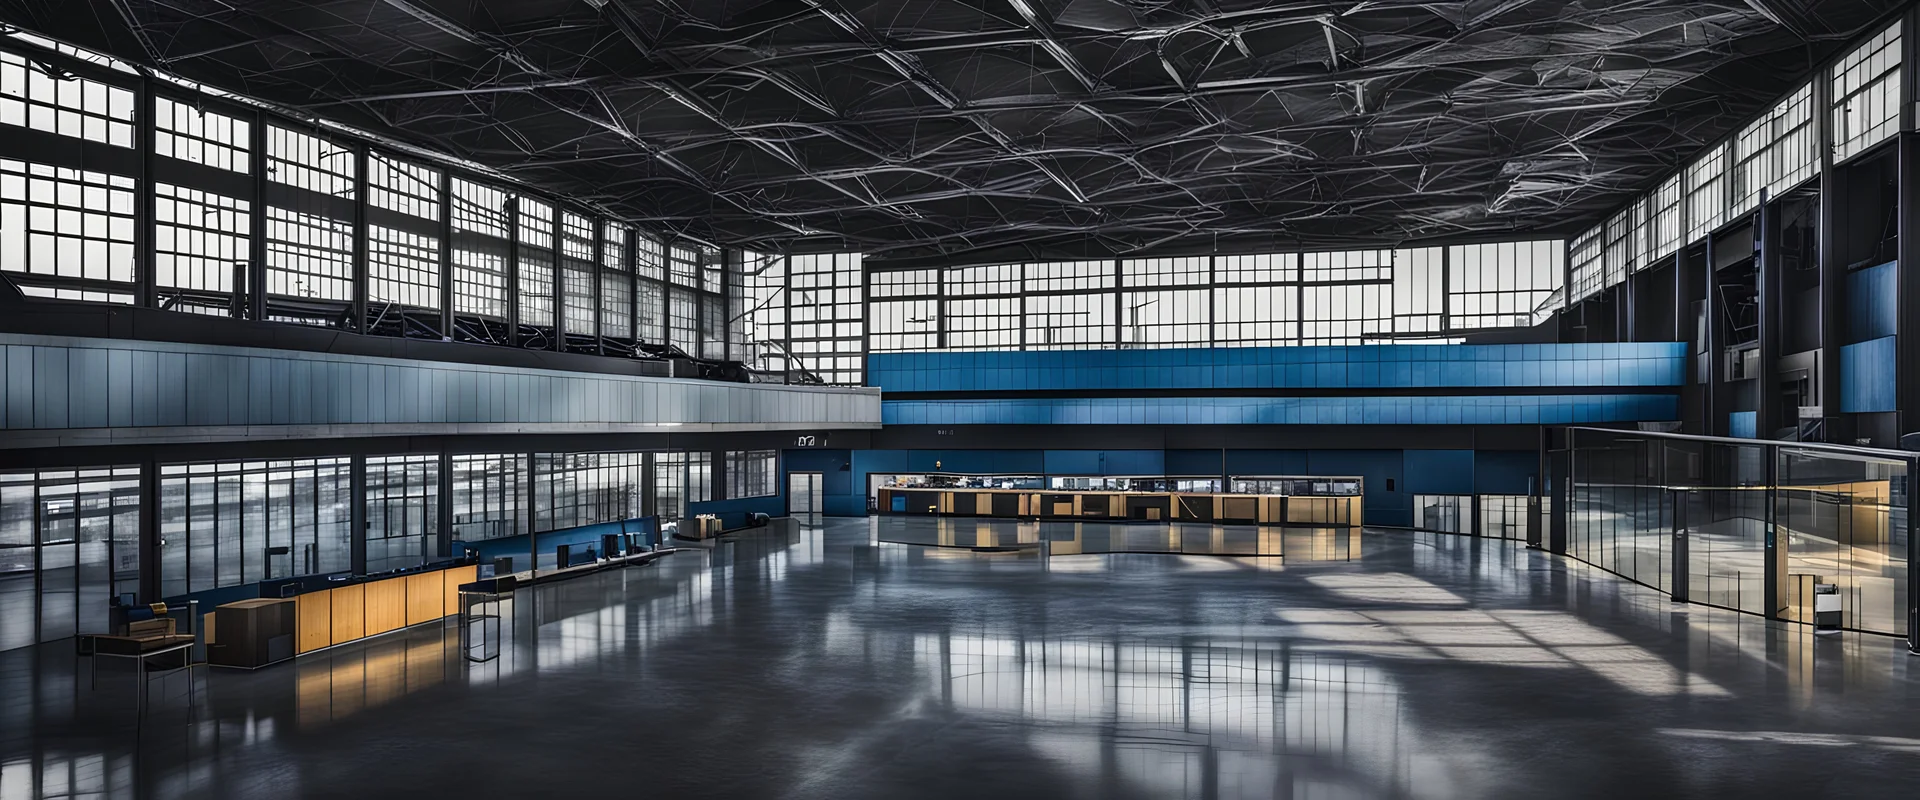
<point x="1207" y="399"/>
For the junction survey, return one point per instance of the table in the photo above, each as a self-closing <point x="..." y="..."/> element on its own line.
<point x="142" y="674"/>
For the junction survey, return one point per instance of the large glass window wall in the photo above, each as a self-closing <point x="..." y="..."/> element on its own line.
<point x="232" y="523"/>
<point x="69" y="542"/>
<point x="1749" y="527"/>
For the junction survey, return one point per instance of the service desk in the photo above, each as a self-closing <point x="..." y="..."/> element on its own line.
<point x="365" y="608"/>
<point x="1082" y="505"/>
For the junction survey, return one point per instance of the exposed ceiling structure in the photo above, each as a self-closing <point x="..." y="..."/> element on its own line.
<point x="1019" y="129"/>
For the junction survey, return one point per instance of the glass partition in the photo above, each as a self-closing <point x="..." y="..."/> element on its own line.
<point x="1746" y="525"/>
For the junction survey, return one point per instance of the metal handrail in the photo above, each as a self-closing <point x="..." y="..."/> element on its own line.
<point x="1894" y="455"/>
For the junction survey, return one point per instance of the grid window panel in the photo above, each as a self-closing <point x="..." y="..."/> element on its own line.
<point x="1261" y="268"/>
<point x="713" y="327"/>
<point x="536" y="289"/>
<point x="904" y="283"/>
<point x="479" y="281"/>
<point x="1500" y="285"/>
<point x="577" y="295"/>
<point x="479" y="208"/>
<point x="534" y="221"/>
<point x="1584" y="255"/>
<point x="988" y="323"/>
<point x="310" y="229"/>
<point x="233" y="523"/>
<point x="308" y="255"/>
<point x="80" y="108"/>
<point x="974" y="281"/>
<point x="1664" y="234"/>
<point x="1256" y="316"/>
<point x="825" y="329"/>
<point x="650" y="312"/>
<point x="403" y="188"/>
<point x="712" y="270"/>
<point x="309" y="162"/>
<point x="403" y="267"/>
<point x="904" y="325"/>
<point x="616" y="294"/>
<point x="1166" y="318"/>
<point x="1166" y="271"/>
<point x="1776" y="151"/>
<point x="683" y="265"/>
<point x="649" y="258"/>
<point x="1071" y="322"/>
<point x="762" y="284"/>
<point x="489" y="496"/>
<point x="1866" y="95"/>
<point x="683" y="321"/>
<point x="200" y="238"/>
<point x="1346" y="265"/>
<point x="751" y="473"/>
<point x="1344" y="314"/>
<point x="402" y="511"/>
<point x="1418" y="290"/>
<point x="1707" y="192"/>
<point x="197" y="136"/>
<point x="613" y="249"/>
<point x="1061" y="276"/>
<point x="67" y="223"/>
<point x="1617" y="251"/>
<point x="578" y="489"/>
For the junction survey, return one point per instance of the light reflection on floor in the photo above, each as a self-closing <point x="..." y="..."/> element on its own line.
<point x="830" y="664"/>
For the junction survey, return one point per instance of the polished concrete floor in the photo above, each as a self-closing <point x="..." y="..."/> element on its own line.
<point x="830" y="665"/>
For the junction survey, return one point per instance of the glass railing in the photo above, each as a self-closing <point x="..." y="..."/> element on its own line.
<point x="1749" y="525"/>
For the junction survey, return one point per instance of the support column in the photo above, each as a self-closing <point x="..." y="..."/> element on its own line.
<point x="1716" y="415"/>
<point x="1774" y="561"/>
<point x="147" y="293"/>
<point x="1680" y="566"/>
<point x="446" y="255"/>
<point x="1907" y="281"/>
<point x="1768" y="415"/>
<point x="1562" y="497"/>
<point x="1833" y="273"/>
<point x="513" y="270"/>
<point x="599" y="284"/>
<point x="256" y="287"/>
<point x="150" y="542"/>
<point x="445" y="509"/>
<point x="557" y="253"/>
<point x="360" y="280"/>
<point x="533" y="513"/>
<point x="357" y="513"/>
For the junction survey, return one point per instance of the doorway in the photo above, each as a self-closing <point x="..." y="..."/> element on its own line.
<point x="804" y="497"/>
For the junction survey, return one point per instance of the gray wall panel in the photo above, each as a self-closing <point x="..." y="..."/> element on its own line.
<point x="119" y="388"/>
<point x="56" y="383"/>
<point x="89" y="381"/>
<point x="50" y="387"/>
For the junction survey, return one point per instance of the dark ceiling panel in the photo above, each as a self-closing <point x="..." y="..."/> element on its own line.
<point x="972" y="129"/>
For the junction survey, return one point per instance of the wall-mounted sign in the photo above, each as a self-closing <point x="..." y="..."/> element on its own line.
<point x="810" y="440"/>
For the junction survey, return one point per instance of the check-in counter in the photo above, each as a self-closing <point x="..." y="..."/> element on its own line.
<point x="1083" y="505"/>
<point x="367" y="608"/>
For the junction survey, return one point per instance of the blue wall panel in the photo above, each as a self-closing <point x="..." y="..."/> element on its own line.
<point x="1106" y="462"/>
<point x="1488" y="410"/>
<point x="1439" y="471"/>
<point x="1873" y="295"/>
<point x="977" y="462"/>
<point x="1743" y="424"/>
<point x="1195" y="462"/>
<point x="1866" y="376"/>
<point x="1328" y="367"/>
<point x="1267" y="462"/>
<point x="733" y="513"/>
<point x="1505" y="471"/>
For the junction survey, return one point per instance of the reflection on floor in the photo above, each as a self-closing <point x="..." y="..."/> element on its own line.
<point x="831" y="664"/>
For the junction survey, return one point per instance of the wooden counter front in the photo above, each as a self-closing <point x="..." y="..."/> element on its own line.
<point x="357" y="611"/>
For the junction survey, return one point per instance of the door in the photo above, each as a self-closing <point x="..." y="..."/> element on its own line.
<point x="803" y="497"/>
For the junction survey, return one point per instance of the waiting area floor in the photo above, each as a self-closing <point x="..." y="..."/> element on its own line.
<point x="830" y="664"/>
